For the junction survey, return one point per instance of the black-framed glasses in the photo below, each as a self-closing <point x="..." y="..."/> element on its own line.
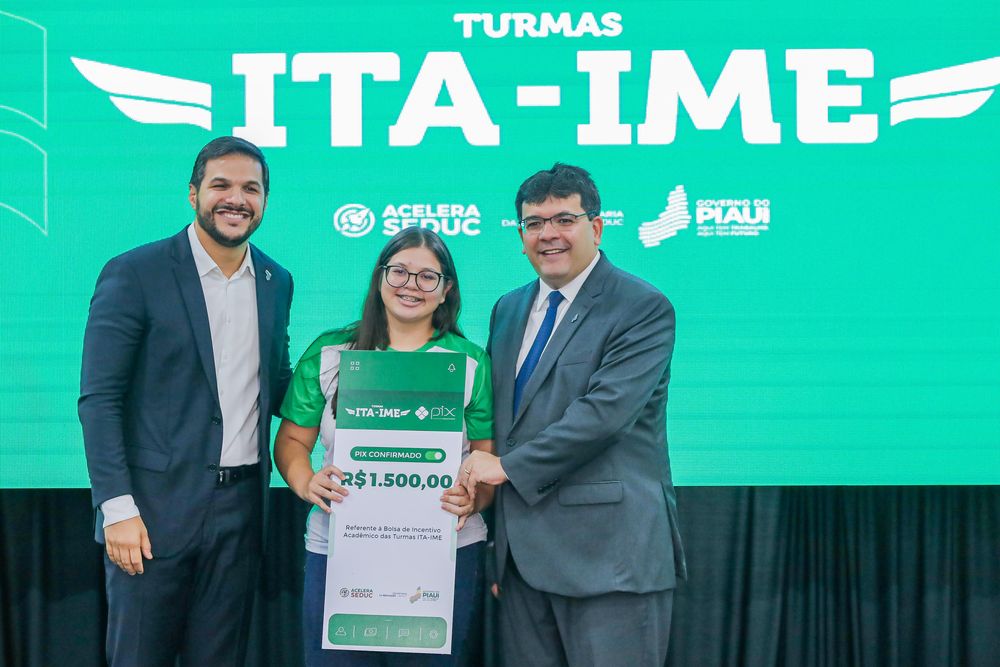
<point x="533" y="224"/>
<point x="426" y="280"/>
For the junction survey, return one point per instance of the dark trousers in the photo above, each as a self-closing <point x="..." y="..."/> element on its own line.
<point x="465" y="618"/>
<point x="196" y="604"/>
<point x="548" y="630"/>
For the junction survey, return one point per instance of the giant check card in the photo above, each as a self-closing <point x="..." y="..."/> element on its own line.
<point x="391" y="568"/>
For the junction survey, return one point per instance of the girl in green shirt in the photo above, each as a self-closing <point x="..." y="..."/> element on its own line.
<point x="412" y="304"/>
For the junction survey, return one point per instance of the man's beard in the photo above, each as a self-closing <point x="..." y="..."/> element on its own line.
<point x="207" y="223"/>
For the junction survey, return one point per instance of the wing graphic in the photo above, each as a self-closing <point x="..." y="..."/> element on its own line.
<point x="674" y="218"/>
<point x="148" y="97"/>
<point x="950" y="92"/>
<point x="24" y="179"/>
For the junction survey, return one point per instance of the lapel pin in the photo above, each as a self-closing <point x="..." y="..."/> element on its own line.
<point x="267" y="274"/>
<point x="575" y="318"/>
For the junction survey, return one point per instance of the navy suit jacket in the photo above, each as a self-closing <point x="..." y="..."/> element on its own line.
<point x="152" y="423"/>
<point x="589" y="507"/>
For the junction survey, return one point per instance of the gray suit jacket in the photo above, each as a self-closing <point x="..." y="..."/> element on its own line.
<point x="589" y="508"/>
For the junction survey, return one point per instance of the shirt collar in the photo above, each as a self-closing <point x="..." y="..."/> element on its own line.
<point x="204" y="262"/>
<point x="569" y="290"/>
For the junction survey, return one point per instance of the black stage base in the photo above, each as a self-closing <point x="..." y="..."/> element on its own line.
<point x="791" y="576"/>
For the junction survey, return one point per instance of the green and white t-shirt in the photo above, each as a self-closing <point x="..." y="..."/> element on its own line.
<point x="314" y="384"/>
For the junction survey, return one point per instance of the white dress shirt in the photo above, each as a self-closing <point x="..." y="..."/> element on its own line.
<point x="232" y="319"/>
<point x="537" y="315"/>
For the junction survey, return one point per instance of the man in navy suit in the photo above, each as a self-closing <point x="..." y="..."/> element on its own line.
<point x="587" y="547"/>
<point x="185" y="360"/>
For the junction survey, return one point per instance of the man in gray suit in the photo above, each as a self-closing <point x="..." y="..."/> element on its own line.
<point x="587" y="547"/>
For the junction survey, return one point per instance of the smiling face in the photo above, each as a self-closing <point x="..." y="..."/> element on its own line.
<point x="560" y="255"/>
<point x="409" y="304"/>
<point x="229" y="203"/>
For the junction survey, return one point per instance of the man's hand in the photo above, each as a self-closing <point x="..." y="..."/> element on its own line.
<point x="458" y="501"/>
<point x="322" y="488"/>
<point x="128" y="543"/>
<point x="481" y="468"/>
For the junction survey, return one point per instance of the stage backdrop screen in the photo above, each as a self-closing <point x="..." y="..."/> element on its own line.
<point x="814" y="187"/>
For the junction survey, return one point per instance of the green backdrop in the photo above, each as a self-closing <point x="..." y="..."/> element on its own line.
<point x="831" y="245"/>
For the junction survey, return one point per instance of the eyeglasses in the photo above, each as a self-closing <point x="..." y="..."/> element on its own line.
<point x="534" y="224"/>
<point x="426" y="280"/>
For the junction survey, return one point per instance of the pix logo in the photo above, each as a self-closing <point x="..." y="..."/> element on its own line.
<point x="442" y="412"/>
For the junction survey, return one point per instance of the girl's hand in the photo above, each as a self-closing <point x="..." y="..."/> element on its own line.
<point x="323" y="488"/>
<point x="458" y="501"/>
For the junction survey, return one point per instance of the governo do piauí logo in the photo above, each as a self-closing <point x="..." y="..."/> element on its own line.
<point x="727" y="217"/>
<point x="674" y="217"/>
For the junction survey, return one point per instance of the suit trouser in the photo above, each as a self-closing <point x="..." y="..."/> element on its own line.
<point x="195" y="604"/>
<point x="547" y="630"/>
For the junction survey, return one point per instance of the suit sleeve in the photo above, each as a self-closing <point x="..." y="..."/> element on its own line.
<point x="284" y="368"/>
<point x="115" y="331"/>
<point x="635" y="359"/>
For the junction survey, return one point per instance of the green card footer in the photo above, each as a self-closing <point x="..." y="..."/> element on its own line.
<point x="380" y="630"/>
